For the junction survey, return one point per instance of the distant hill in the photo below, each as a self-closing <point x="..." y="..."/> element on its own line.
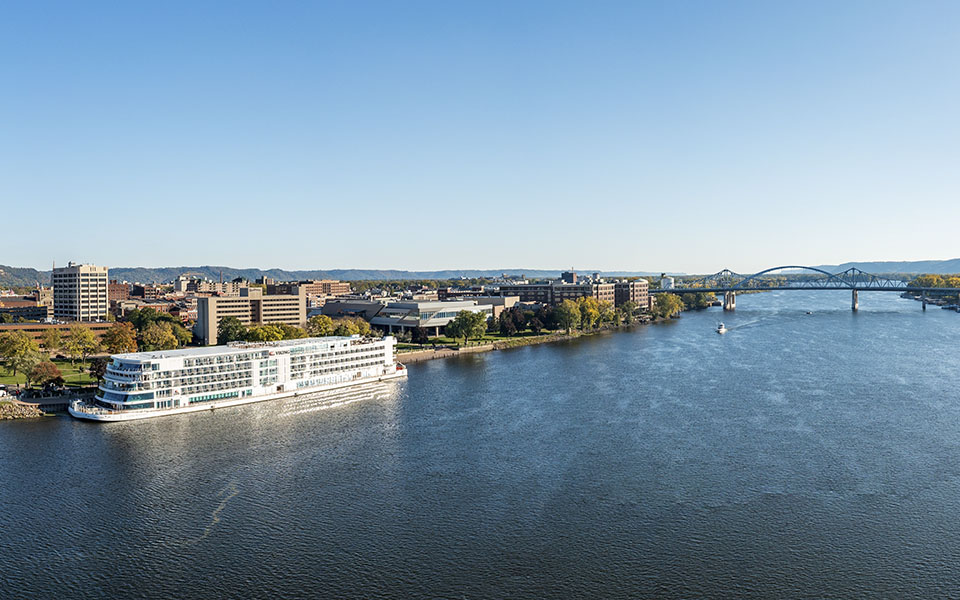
<point x="21" y="276"/>
<point x="918" y="266"/>
<point x="13" y="276"/>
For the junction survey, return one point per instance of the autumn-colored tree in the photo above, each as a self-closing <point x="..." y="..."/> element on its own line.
<point x="121" y="337"/>
<point x="44" y="372"/>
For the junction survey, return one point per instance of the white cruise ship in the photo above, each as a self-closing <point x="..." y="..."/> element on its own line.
<point x="139" y="385"/>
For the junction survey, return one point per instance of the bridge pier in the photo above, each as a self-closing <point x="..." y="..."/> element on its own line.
<point x="856" y="300"/>
<point x="729" y="301"/>
<point x="923" y="299"/>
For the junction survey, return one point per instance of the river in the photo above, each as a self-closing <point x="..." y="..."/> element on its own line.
<point x="797" y="456"/>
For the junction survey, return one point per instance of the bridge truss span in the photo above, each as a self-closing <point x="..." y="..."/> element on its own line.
<point x="798" y="277"/>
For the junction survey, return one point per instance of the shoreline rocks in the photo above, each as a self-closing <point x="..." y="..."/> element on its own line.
<point x="12" y="409"/>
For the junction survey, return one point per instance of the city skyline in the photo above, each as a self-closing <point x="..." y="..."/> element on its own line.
<point x="624" y="136"/>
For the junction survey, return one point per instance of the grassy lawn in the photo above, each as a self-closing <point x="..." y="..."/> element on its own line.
<point x="75" y="376"/>
<point x="487" y="338"/>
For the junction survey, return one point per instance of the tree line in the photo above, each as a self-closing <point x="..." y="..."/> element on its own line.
<point x="230" y="329"/>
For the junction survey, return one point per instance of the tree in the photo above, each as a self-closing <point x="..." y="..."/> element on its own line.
<point x="158" y="336"/>
<point x="44" y="372"/>
<point x="419" y="335"/>
<point x="51" y="339"/>
<point x="628" y="311"/>
<point x="143" y="318"/>
<point x="363" y="327"/>
<point x="467" y="324"/>
<point x="568" y="315"/>
<point x="589" y="311"/>
<point x="548" y="316"/>
<point x="183" y="335"/>
<point x="98" y="368"/>
<point x="507" y="326"/>
<point x="320" y="326"/>
<point x="27" y="362"/>
<point x="264" y="333"/>
<point x="120" y="338"/>
<point x="667" y="305"/>
<point x="345" y="327"/>
<point x="535" y="325"/>
<point x="607" y="313"/>
<point x="290" y="332"/>
<point x="80" y="342"/>
<point x="18" y="350"/>
<point x="230" y="329"/>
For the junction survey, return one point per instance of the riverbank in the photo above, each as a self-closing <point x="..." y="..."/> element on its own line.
<point x="13" y="409"/>
<point x="413" y="356"/>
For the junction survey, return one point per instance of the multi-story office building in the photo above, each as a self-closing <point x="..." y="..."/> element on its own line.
<point x="251" y="307"/>
<point x="632" y="291"/>
<point x="184" y="284"/>
<point x="322" y="288"/>
<point x="118" y="291"/>
<point x="24" y="308"/>
<point x="80" y="293"/>
<point x="555" y="292"/>
<point x="36" y="330"/>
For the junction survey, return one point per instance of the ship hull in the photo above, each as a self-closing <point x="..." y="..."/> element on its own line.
<point x="136" y="415"/>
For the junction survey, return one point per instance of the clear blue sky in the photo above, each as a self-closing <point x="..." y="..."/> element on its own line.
<point x="679" y="135"/>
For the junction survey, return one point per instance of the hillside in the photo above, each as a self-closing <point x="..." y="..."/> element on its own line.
<point x="12" y="276"/>
<point x="918" y="266"/>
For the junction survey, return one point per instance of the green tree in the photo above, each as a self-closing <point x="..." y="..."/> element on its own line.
<point x="98" y="368"/>
<point x="81" y="343"/>
<point x="535" y="325"/>
<point x="120" y="338"/>
<point x="158" y="336"/>
<point x="18" y="349"/>
<point x="45" y="372"/>
<point x="291" y="332"/>
<point x="230" y="329"/>
<point x="608" y="314"/>
<point x="419" y="335"/>
<point x="467" y="324"/>
<point x="667" y="305"/>
<point x="363" y="327"/>
<point x="589" y="311"/>
<point x="628" y="311"/>
<point x="567" y="315"/>
<point x="345" y="327"/>
<point x="506" y="324"/>
<point x="264" y="333"/>
<point x="320" y="326"/>
<point x="51" y="339"/>
<point x="184" y="336"/>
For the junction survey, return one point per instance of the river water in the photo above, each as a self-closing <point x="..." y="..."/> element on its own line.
<point x="799" y="455"/>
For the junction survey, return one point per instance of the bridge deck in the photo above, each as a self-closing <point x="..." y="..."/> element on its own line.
<point x="865" y="288"/>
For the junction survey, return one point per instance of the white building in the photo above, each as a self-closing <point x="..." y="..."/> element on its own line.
<point x="80" y="293"/>
<point x="666" y="283"/>
<point x="431" y="315"/>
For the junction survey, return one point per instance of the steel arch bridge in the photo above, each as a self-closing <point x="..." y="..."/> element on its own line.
<point x="800" y="277"/>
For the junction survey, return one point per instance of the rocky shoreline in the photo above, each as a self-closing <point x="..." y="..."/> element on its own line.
<point x="12" y="409"/>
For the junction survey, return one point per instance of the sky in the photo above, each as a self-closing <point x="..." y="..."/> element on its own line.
<point x="682" y="136"/>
